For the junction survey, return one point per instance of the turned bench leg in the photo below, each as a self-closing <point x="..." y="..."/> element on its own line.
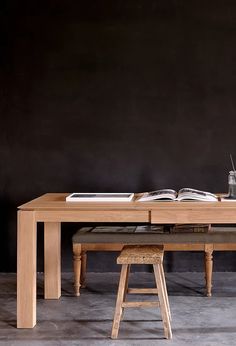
<point x="83" y="269"/>
<point x="208" y="267"/>
<point x="77" y="267"/>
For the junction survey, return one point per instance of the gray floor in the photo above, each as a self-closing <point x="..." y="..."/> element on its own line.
<point x="87" y="320"/>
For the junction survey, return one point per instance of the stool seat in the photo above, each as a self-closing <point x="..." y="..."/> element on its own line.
<point x="141" y="254"/>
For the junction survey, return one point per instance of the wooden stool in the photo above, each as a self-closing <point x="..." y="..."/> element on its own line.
<point x="142" y="254"/>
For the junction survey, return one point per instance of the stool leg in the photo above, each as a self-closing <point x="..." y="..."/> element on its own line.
<point x="126" y="289"/>
<point x="165" y="290"/>
<point x="77" y="267"/>
<point x="83" y="269"/>
<point x="119" y="301"/>
<point x="163" y="305"/>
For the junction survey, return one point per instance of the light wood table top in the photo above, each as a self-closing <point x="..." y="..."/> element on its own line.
<point x="52" y="205"/>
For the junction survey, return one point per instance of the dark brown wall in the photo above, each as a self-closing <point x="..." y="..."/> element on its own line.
<point x="114" y="96"/>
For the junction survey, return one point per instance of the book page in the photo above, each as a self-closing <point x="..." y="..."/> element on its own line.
<point x="164" y="194"/>
<point x="193" y="194"/>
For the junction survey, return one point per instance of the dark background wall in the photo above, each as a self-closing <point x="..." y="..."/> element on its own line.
<point x="114" y="96"/>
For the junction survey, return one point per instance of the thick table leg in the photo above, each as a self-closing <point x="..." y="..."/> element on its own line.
<point x="52" y="260"/>
<point x="26" y="269"/>
<point x="208" y="267"/>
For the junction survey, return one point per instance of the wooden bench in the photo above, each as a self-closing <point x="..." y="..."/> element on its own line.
<point x="108" y="238"/>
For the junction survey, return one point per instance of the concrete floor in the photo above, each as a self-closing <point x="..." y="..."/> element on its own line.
<point x="87" y="320"/>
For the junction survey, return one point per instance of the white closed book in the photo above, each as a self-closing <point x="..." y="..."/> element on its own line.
<point x="100" y="197"/>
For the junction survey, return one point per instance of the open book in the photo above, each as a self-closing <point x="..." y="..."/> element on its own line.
<point x="185" y="194"/>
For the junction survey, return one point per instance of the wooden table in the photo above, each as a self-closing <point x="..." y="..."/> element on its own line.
<point x="52" y="209"/>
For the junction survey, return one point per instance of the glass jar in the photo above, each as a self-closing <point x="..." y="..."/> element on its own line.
<point x="232" y="184"/>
